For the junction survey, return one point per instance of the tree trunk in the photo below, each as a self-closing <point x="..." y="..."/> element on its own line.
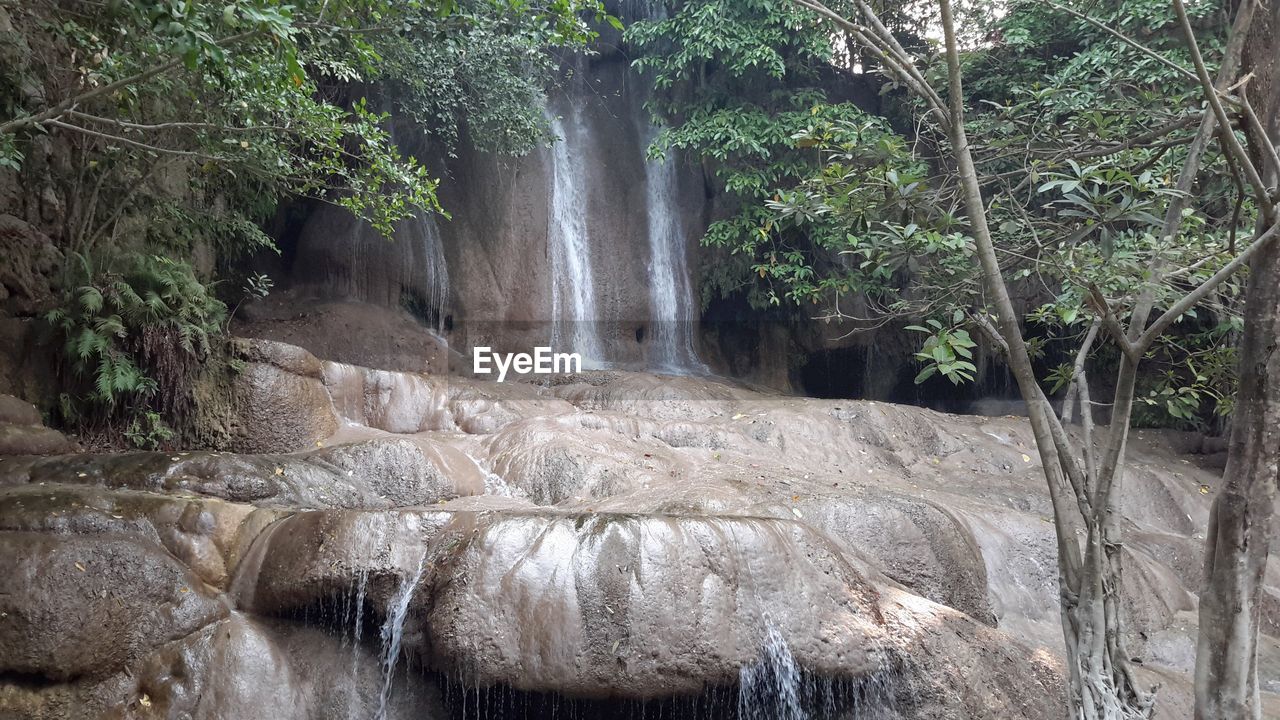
<point x="1239" y="536"/>
<point x="1101" y="684"/>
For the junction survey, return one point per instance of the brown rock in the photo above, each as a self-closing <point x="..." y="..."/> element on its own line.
<point x="86" y="605"/>
<point x="377" y="473"/>
<point x="278" y="410"/>
<point x="33" y="440"/>
<point x="30" y="260"/>
<point x="14" y="411"/>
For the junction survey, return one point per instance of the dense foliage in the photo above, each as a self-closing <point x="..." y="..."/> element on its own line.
<point x="851" y="216"/>
<point x="130" y="331"/>
<point x="734" y="81"/>
<point x="174" y="128"/>
<point x="482" y="67"/>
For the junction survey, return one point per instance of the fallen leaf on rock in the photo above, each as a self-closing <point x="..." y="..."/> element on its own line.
<point x="279" y="471"/>
<point x="1204" y="489"/>
<point x="1026" y="458"/>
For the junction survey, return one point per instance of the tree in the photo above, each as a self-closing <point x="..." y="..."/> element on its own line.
<point x="1085" y="473"/>
<point x="264" y="93"/>
<point x="734" y="81"/>
<point x="1238" y="540"/>
<point x="171" y="129"/>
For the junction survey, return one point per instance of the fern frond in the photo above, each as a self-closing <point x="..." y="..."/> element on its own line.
<point x="103" y="381"/>
<point x="90" y="298"/>
<point x="87" y="343"/>
<point x="184" y="338"/>
<point x="111" y="325"/>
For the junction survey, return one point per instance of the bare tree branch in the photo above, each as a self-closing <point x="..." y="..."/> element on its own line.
<point x="71" y="103"/>
<point x="1230" y="142"/>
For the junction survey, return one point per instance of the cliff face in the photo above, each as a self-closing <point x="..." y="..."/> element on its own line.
<point x="564" y="234"/>
<point x="587" y="245"/>
<point x="586" y="241"/>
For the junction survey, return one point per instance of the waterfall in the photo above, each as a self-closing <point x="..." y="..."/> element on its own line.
<point x="353" y="617"/>
<point x="393" y="633"/>
<point x="421" y="234"/>
<point x="420" y="237"/>
<point x="776" y="687"/>
<point x="771" y="688"/>
<point x="670" y="289"/>
<point x="575" y="323"/>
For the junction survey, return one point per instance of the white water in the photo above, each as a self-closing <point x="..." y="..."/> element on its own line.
<point x="421" y="231"/>
<point x="393" y="633"/>
<point x="574" y="326"/>
<point x="670" y="289"/>
<point x="495" y="484"/>
<point x="353" y="617"/>
<point x="420" y="238"/>
<point x="776" y="688"/>
<point x="770" y="689"/>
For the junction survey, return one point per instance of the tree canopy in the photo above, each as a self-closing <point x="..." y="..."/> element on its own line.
<point x="171" y="127"/>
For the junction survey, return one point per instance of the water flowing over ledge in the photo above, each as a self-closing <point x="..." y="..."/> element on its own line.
<point x="613" y="545"/>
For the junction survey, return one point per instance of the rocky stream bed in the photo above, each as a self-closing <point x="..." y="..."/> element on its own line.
<point x="609" y="545"/>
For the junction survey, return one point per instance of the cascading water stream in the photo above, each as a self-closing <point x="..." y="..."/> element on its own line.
<point x="776" y="687"/>
<point x="393" y="634"/>
<point x="353" y="617"/>
<point x="770" y="689"/>
<point x="420" y="237"/>
<point x="495" y="484"/>
<point x="422" y="232"/>
<point x="670" y="288"/>
<point x="575" y="320"/>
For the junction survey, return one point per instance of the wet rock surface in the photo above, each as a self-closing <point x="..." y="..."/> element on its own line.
<point x="612" y="541"/>
<point x="379" y="472"/>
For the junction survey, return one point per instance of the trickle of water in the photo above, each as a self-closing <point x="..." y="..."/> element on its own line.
<point x="353" y="612"/>
<point x="422" y="232"/>
<point x="493" y="483"/>
<point x="573" y="301"/>
<point x="393" y="633"/>
<point x="670" y="289"/>
<point x="775" y="687"/>
<point x="770" y="689"/>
